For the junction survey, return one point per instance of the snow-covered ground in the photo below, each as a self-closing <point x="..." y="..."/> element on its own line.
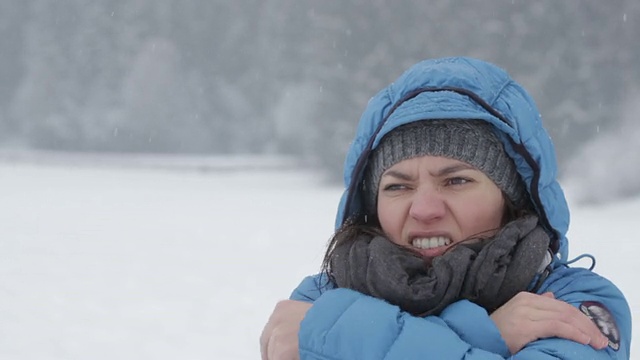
<point x="123" y="263"/>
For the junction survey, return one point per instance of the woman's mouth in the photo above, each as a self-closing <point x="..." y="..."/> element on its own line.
<point x="431" y="246"/>
<point x="430" y="242"/>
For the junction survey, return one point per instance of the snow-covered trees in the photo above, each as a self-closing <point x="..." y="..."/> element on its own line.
<point x="287" y="75"/>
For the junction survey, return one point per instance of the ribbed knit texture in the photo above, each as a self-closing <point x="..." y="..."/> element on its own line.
<point x="470" y="141"/>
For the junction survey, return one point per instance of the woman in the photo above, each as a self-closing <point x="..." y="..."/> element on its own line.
<point x="451" y="237"/>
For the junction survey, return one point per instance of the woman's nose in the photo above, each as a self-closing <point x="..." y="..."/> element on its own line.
<point x="427" y="205"/>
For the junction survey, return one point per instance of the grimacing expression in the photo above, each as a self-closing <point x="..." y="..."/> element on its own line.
<point x="429" y="203"/>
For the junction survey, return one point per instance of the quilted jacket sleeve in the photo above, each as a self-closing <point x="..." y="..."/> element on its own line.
<point x="344" y="324"/>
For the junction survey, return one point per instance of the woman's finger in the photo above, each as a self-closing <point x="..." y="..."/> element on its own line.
<point x="552" y="309"/>
<point x="528" y="317"/>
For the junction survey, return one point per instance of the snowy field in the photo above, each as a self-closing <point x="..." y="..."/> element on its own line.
<point x="105" y="262"/>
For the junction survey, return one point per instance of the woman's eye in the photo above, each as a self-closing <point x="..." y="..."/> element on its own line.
<point x="458" y="181"/>
<point x="394" y="187"/>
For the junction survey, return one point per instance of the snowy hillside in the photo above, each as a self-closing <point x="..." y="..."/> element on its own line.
<point x="118" y="263"/>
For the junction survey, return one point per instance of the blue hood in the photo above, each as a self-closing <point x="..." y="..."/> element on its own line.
<point x="464" y="88"/>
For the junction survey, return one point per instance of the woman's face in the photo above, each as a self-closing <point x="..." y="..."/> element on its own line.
<point x="430" y="203"/>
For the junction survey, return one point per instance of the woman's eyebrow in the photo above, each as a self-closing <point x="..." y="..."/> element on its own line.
<point x="398" y="175"/>
<point x="453" y="169"/>
<point x="447" y="170"/>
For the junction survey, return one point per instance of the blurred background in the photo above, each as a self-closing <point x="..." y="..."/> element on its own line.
<point x="291" y="77"/>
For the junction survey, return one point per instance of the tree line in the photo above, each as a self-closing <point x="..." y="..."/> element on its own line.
<point x="288" y="76"/>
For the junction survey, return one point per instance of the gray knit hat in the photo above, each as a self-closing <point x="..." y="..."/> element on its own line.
<point x="470" y="141"/>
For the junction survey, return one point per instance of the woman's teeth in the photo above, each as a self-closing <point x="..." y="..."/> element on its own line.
<point x="429" y="243"/>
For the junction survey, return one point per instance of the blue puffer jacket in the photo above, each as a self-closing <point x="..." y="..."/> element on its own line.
<point x="344" y="324"/>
